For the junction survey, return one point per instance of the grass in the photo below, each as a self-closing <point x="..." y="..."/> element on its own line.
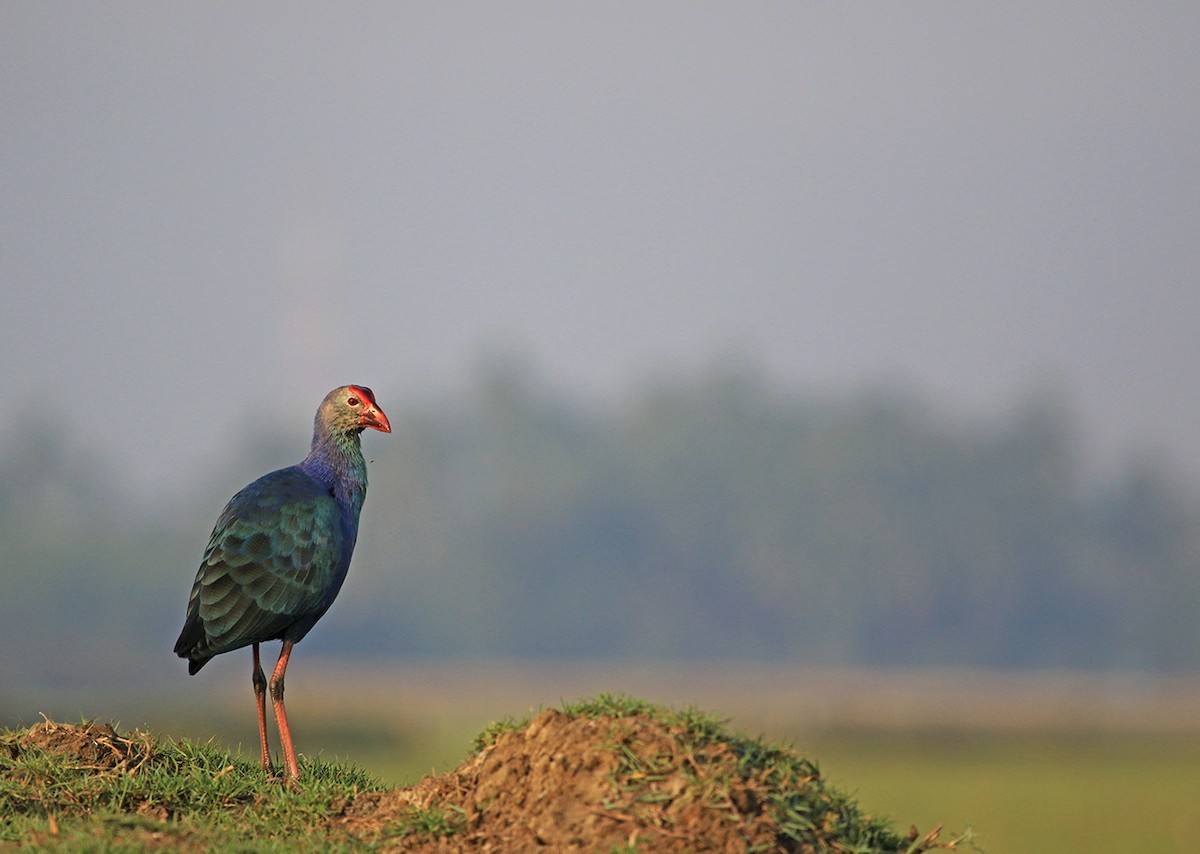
<point x="1027" y="770"/>
<point x="88" y="787"/>
<point x="133" y="792"/>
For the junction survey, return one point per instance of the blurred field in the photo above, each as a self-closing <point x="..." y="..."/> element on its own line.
<point x="1033" y="762"/>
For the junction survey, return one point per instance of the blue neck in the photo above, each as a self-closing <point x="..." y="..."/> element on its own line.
<point x="336" y="460"/>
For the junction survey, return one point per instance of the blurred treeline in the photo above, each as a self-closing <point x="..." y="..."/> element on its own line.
<point x="692" y="517"/>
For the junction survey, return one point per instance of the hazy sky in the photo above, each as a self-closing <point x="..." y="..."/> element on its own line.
<point x="215" y="212"/>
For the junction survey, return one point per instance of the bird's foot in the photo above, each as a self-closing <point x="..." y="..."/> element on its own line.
<point x="285" y="780"/>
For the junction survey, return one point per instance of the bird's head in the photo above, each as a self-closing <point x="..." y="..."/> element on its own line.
<point x="352" y="409"/>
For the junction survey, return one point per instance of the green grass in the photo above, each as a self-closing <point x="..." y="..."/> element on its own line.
<point x="1039" y="787"/>
<point x="144" y="793"/>
<point x="88" y="787"/>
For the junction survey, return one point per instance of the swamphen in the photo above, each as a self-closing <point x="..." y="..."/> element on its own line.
<point x="279" y="554"/>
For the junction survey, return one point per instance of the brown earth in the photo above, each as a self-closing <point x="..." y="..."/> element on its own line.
<point x="90" y="746"/>
<point x="583" y="784"/>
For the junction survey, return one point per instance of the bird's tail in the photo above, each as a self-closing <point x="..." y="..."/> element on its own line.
<point x="191" y="644"/>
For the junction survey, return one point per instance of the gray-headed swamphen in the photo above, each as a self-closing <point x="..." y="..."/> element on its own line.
<point x="279" y="553"/>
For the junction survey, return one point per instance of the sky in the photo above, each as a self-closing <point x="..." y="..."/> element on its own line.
<point x="214" y="213"/>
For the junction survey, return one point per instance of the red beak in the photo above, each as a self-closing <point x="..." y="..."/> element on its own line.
<point x="373" y="417"/>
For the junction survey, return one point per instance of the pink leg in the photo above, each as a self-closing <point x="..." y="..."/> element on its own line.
<point x="260" y="696"/>
<point x="285" y="732"/>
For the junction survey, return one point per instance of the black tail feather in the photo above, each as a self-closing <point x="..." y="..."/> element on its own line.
<point x="191" y="643"/>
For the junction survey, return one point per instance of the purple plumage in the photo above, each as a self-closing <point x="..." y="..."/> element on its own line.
<point x="279" y="553"/>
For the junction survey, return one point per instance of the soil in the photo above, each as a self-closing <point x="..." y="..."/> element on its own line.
<point x="582" y="784"/>
<point x="92" y="746"/>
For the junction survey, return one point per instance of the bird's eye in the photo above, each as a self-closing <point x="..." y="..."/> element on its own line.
<point x="352" y="401"/>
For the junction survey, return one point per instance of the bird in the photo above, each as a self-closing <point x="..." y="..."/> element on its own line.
<point x="279" y="553"/>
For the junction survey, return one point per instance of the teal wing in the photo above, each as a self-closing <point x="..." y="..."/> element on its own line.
<point x="271" y="561"/>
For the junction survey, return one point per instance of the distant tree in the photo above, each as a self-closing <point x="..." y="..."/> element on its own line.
<point x="699" y="516"/>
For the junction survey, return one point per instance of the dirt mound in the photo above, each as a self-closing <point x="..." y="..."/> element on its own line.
<point x="651" y="781"/>
<point x="85" y="746"/>
<point x="583" y="784"/>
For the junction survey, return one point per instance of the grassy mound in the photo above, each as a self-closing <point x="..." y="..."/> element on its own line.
<point x="67" y="787"/>
<point x="610" y="774"/>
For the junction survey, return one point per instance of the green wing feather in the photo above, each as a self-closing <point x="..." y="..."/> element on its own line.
<point x="270" y="561"/>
